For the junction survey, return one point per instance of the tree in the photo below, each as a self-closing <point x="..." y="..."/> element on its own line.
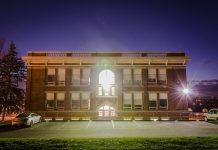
<point x="12" y="72"/>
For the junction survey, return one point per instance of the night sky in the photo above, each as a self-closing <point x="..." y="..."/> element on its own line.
<point x="119" y="25"/>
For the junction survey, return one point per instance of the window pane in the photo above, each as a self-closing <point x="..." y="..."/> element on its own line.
<point x="51" y="71"/>
<point x="60" y="96"/>
<point x="137" y="98"/>
<point x="151" y="75"/>
<point x="163" y="103"/>
<point x="76" y="76"/>
<point x="162" y="71"/>
<point x="100" y="91"/>
<point x="86" y="76"/>
<point x="137" y="74"/>
<point x="51" y="75"/>
<point x="85" y="103"/>
<point x="127" y="98"/>
<point x="50" y="104"/>
<point x="162" y="75"/>
<point x="152" y="104"/>
<point x="60" y="104"/>
<point x="61" y="74"/>
<point x="152" y="71"/>
<point x="85" y="96"/>
<point x="49" y="96"/>
<point x="75" y="96"/>
<point x="51" y="78"/>
<point x="163" y="95"/>
<point x="113" y="91"/>
<point x="152" y="96"/>
<point x="127" y="75"/>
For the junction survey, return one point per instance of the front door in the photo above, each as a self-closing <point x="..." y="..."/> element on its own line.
<point x="106" y="111"/>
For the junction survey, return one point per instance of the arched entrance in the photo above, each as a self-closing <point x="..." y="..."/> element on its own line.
<point x="106" y="111"/>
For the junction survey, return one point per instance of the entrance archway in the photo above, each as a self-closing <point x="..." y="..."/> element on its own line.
<point x="106" y="111"/>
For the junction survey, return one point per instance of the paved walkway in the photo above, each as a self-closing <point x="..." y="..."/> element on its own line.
<point x="114" y="129"/>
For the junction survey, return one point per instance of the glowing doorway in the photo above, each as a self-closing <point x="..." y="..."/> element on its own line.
<point x="106" y="111"/>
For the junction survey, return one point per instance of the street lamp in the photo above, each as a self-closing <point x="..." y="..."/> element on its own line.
<point x="186" y="91"/>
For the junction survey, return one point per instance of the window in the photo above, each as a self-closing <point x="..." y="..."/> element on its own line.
<point x="137" y="101"/>
<point x="86" y="76"/>
<point x="51" y="76"/>
<point x="137" y="76"/>
<point x="50" y="101"/>
<point x="127" y="101"/>
<point x="127" y="76"/>
<point x="100" y="91"/>
<point x="75" y="76"/>
<point x="106" y="80"/>
<point x="60" y="97"/>
<point x="162" y="78"/>
<point x="151" y="75"/>
<point x="61" y="76"/>
<point x="85" y="101"/>
<point x="163" y="100"/>
<point x="152" y="101"/>
<point x="112" y="91"/>
<point x="75" y="98"/>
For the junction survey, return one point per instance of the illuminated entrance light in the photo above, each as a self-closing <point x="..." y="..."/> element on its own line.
<point x="106" y="111"/>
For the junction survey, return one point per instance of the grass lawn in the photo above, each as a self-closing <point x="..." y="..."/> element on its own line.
<point x="112" y="143"/>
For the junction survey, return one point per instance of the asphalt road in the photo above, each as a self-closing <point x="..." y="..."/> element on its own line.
<point x="75" y="129"/>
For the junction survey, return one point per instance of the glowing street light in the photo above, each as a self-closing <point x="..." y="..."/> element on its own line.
<point x="186" y="91"/>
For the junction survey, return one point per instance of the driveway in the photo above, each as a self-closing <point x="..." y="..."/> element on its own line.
<point x="93" y="129"/>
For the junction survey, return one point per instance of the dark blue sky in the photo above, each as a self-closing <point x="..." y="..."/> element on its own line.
<point x="119" y="25"/>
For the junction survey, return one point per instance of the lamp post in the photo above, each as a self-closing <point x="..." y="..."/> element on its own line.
<point x="186" y="92"/>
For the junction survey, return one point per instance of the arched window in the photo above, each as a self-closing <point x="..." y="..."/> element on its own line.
<point x="106" y="77"/>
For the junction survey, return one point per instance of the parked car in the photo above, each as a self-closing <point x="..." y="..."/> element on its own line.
<point x="211" y="115"/>
<point x="27" y="118"/>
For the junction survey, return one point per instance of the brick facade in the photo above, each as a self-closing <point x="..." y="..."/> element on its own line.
<point x="173" y="63"/>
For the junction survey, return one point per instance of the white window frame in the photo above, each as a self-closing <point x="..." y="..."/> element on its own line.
<point x="162" y="73"/>
<point x="51" y="72"/>
<point x="135" y="99"/>
<point x="86" y="72"/>
<point x="88" y="99"/>
<point x="152" y="99"/>
<point x="124" y="107"/>
<point x="48" y="99"/>
<point x="164" y="98"/>
<point x="61" y="76"/>
<point x="76" y="76"/>
<point x="152" y="74"/>
<point x="78" y="100"/>
<point x="137" y="76"/>
<point x="127" y="76"/>
<point x="57" y="99"/>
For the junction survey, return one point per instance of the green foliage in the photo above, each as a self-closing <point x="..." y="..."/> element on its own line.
<point x="113" y="143"/>
<point x="12" y="72"/>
